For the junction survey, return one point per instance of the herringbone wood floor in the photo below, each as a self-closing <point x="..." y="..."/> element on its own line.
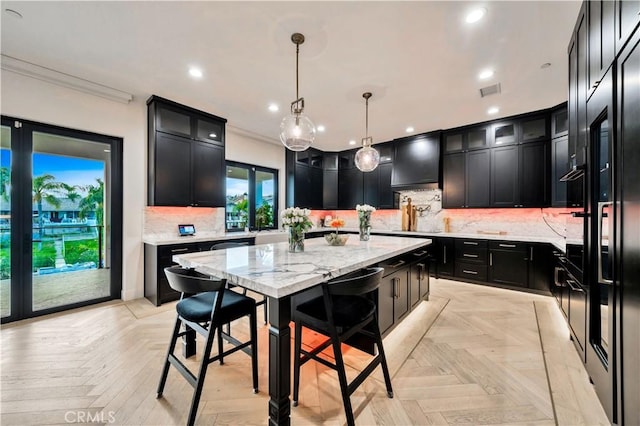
<point x="472" y="355"/>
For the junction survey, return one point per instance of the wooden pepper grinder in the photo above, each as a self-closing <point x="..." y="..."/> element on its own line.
<point x="406" y="215"/>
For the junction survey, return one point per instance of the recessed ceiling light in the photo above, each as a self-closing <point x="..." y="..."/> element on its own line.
<point x="195" y="72"/>
<point x="493" y="110"/>
<point x="475" y="15"/>
<point x="13" y="13"/>
<point x="409" y="129"/>
<point x="274" y="108"/>
<point x="352" y="142"/>
<point x="212" y="135"/>
<point x="320" y="128"/>
<point x="545" y="65"/>
<point x="485" y="74"/>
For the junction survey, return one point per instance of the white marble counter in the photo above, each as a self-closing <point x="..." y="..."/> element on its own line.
<point x="271" y="270"/>
<point x="558" y="242"/>
<point x="168" y="239"/>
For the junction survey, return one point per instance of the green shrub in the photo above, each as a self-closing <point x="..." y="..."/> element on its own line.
<point x="44" y="255"/>
<point x="80" y="251"/>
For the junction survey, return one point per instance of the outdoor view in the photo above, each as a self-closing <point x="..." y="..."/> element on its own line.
<point x="240" y="208"/>
<point x="68" y="233"/>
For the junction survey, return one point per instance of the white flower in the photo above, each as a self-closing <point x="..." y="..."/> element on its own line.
<point x="365" y="208"/>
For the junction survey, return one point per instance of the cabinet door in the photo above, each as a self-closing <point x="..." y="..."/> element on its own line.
<point x="350" y="188"/>
<point x="386" y="297"/>
<point x="582" y="88"/>
<point x="601" y="34"/>
<point x="453" y="173"/>
<point x="533" y="189"/>
<point x="402" y="302"/>
<point x="330" y="189"/>
<point x="414" y="284"/>
<point x="560" y="123"/>
<point x="478" y="138"/>
<point x="540" y="267"/>
<point x="559" y="166"/>
<point x="445" y="255"/>
<point x="330" y="161"/>
<point x="209" y="130"/>
<point x="171" y="120"/>
<point x="208" y="175"/>
<point x="478" y="175"/>
<point x="315" y="188"/>
<point x="504" y="176"/>
<point x="534" y="129"/>
<point x="504" y="133"/>
<point x="385" y="193"/>
<point x="453" y="142"/>
<point x="416" y="160"/>
<point x="627" y="20"/>
<point x="171" y="180"/>
<point x="370" y="187"/>
<point x="301" y="186"/>
<point x="508" y="267"/>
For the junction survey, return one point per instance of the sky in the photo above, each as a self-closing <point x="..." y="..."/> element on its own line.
<point x="70" y="170"/>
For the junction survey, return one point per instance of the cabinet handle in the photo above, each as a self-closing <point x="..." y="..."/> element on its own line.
<point x="531" y="253"/>
<point x="470" y="243"/>
<point x="470" y="272"/>
<point x="507" y="245"/>
<point x="422" y="270"/>
<point x="421" y="253"/>
<point x="601" y="215"/>
<point x="179" y="250"/>
<point x="398" y="264"/>
<point x="490" y="259"/>
<point x="470" y="255"/>
<point x="445" y="255"/>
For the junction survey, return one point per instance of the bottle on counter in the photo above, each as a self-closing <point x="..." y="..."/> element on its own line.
<point x="447" y="224"/>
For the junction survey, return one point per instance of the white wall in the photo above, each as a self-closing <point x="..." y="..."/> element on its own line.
<point x="35" y="100"/>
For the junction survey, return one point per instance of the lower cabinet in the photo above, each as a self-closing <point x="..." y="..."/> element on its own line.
<point x="393" y="293"/>
<point x="156" y="258"/>
<point x="471" y="259"/>
<point x="508" y="263"/>
<point x="444" y="255"/>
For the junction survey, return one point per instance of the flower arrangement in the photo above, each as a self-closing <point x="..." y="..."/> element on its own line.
<point x="364" y="216"/>
<point x="334" y="239"/>
<point x="297" y="220"/>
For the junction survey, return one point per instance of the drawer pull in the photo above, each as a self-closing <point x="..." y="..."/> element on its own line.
<point x="421" y="253"/>
<point x="507" y="245"/>
<point x="470" y="255"/>
<point x="179" y="250"/>
<point x="470" y="272"/>
<point x="470" y="243"/>
<point x="398" y="264"/>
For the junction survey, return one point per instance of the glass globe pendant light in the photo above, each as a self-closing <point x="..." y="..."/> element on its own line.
<point x="367" y="157"/>
<point x="297" y="131"/>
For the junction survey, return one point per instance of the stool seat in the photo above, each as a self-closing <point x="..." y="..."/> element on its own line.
<point x="198" y="308"/>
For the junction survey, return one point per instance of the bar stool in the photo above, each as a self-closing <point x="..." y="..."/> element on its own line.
<point x="204" y="306"/>
<point x="232" y="244"/>
<point x="342" y="311"/>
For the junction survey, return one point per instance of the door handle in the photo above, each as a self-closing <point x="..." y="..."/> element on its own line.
<point x="470" y="272"/>
<point x="490" y="259"/>
<point x="470" y="255"/>
<point x="445" y="255"/>
<point x="601" y="207"/>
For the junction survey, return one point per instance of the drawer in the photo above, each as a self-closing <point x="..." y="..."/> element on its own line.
<point x="462" y="243"/>
<point x="471" y="271"/>
<point x="169" y="251"/>
<point x="471" y="254"/>
<point x="507" y="245"/>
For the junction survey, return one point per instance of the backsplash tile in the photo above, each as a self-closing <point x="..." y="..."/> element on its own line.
<point x="160" y="222"/>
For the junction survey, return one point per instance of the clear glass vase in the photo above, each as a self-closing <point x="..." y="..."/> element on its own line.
<point x="365" y="226"/>
<point x="296" y="240"/>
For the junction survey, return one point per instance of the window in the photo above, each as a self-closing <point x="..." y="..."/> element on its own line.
<point x="252" y="197"/>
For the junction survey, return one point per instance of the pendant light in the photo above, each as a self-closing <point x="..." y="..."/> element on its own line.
<point x="367" y="157"/>
<point x="297" y="131"/>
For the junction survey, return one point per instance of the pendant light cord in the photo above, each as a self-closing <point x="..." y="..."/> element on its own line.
<point x="297" y="54"/>
<point x="366" y="120"/>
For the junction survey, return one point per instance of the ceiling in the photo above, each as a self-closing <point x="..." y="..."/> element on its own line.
<point x="420" y="60"/>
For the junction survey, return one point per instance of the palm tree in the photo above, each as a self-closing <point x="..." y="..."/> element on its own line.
<point x="45" y="187"/>
<point x="5" y="181"/>
<point x="93" y="202"/>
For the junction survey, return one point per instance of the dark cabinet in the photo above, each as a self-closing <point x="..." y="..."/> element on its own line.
<point x="330" y="189"/>
<point x="444" y="255"/>
<point x="600" y="21"/>
<point x="385" y="193"/>
<point x="535" y="128"/>
<point x="477" y="177"/>
<point x="156" y="258"/>
<point x="471" y="259"/>
<point x="519" y="175"/>
<point x="508" y="263"/>
<point x="186" y="161"/>
<point x="560" y="121"/>
<point x="416" y="161"/>
<point x="627" y="20"/>
<point x="350" y="188"/>
<point x="540" y="266"/>
<point x="465" y="179"/>
<point x="504" y="133"/>
<point x="578" y="84"/>
<point x="393" y="293"/>
<point x="305" y="186"/>
<point x="465" y="139"/>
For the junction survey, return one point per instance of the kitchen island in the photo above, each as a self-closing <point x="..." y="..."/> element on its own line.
<point x="271" y="270"/>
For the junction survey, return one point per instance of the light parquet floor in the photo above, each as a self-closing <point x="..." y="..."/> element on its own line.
<point x="471" y="355"/>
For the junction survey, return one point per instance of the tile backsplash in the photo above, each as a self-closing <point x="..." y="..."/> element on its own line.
<point x="161" y="222"/>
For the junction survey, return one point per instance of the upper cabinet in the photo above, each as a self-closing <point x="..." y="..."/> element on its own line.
<point x="600" y="22"/>
<point x="186" y="161"/>
<point x="627" y="19"/>
<point x="466" y="139"/>
<point x="416" y="161"/>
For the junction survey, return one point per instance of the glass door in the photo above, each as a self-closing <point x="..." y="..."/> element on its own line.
<point x="60" y="232"/>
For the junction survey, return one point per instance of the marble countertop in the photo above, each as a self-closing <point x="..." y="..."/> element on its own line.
<point x="271" y="270"/>
<point x="558" y="242"/>
<point x="168" y="239"/>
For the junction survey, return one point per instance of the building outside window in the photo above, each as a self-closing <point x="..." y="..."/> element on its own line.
<point x="252" y="197"/>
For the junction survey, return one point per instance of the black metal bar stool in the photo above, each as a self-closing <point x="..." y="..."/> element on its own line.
<point x="343" y="310"/>
<point x="205" y="305"/>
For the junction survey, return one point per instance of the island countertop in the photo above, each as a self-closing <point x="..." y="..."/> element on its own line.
<point x="271" y="270"/>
